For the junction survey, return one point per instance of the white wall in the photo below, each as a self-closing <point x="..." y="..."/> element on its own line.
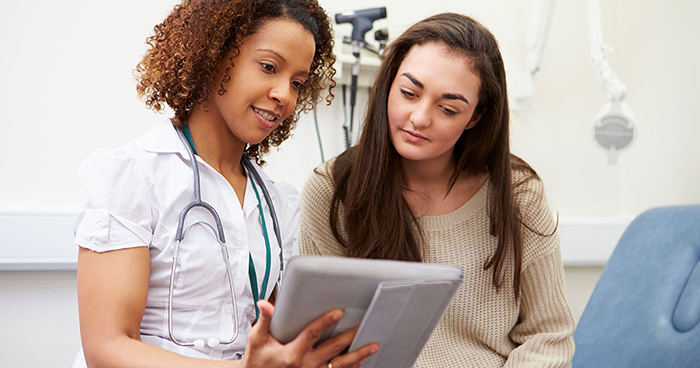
<point x="66" y="88"/>
<point x="39" y="319"/>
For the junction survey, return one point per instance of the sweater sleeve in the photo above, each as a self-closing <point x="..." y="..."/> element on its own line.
<point x="315" y="235"/>
<point x="545" y="326"/>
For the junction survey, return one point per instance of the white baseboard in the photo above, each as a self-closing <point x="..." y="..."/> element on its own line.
<point x="40" y="237"/>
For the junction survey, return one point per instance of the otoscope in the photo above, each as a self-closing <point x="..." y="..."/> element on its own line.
<point x="361" y="21"/>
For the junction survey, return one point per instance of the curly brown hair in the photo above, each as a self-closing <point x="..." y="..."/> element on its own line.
<point x="179" y="68"/>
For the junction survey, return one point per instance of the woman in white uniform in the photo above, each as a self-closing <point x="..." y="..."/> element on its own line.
<point x="236" y="74"/>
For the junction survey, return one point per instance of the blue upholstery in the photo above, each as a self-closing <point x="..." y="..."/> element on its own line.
<point x="645" y="309"/>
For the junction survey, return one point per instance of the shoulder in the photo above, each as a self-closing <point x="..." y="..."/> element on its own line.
<point x="539" y="222"/>
<point x="331" y="176"/>
<point x="527" y="187"/>
<point x="137" y="166"/>
<point x="285" y="195"/>
<point x="317" y="194"/>
<point x="109" y="163"/>
<point x="161" y="138"/>
<point x="282" y="193"/>
<point x="287" y="191"/>
<point x="315" y="229"/>
<point x="321" y="178"/>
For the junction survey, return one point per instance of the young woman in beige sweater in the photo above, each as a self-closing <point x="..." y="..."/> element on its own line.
<point x="432" y="179"/>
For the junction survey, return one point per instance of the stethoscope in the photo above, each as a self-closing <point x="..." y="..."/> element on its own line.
<point x="219" y="231"/>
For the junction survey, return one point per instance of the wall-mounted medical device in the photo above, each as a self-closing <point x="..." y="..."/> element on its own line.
<point x="613" y="128"/>
<point x="362" y="22"/>
<point x="521" y="80"/>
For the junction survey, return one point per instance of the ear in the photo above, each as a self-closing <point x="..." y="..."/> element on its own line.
<point x="475" y="119"/>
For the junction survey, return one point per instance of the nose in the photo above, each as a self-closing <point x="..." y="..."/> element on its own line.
<point x="420" y="115"/>
<point x="282" y="93"/>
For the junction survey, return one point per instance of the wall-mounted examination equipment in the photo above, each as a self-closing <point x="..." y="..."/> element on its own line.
<point x="521" y="81"/>
<point x="361" y="21"/>
<point x="613" y="128"/>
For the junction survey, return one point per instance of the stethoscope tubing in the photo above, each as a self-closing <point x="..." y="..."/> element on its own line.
<point x="275" y="223"/>
<point x="181" y="231"/>
<point x="180" y="235"/>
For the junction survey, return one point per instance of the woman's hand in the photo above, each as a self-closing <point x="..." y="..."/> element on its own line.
<point x="263" y="350"/>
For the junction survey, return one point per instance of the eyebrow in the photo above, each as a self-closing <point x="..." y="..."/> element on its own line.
<point x="273" y="52"/>
<point x="413" y="79"/>
<point x="448" y="96"/>
<point x="454" y="96"/>
<point x="304" y="73"/>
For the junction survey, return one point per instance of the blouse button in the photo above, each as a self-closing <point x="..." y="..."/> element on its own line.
<point x="228" y="308"/>
<point x="243" y="253"/>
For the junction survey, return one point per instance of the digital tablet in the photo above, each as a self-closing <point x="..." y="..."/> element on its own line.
<point x="396" y="304"/>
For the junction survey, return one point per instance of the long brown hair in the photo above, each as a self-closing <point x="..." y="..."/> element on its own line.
<point x="378" y="221"/>
<point x="181" y="64"/>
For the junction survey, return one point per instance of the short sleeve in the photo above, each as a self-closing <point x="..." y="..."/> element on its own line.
<point x="117" y="212"/>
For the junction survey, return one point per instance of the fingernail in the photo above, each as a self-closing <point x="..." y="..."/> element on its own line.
<point x="337" y="316"/>
<point x="374" y="349"/>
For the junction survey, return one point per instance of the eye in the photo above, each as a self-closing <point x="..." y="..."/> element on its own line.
<point x="408" y="94"/>
<point x="448" y="112"/>
<point x="271" y="68"/>
<point x="298" y="85"/>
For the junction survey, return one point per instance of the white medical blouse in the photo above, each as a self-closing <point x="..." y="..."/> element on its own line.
<point x="135" y="194"/>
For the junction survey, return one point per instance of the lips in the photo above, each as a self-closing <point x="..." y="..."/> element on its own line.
<point x="266" y="118"/>
<point x="414" y="137"/>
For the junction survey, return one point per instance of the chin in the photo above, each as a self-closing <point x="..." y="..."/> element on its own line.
<point x="254" y="142"/>
<point x="257" y="138"/>
<point x="411" y="154"/>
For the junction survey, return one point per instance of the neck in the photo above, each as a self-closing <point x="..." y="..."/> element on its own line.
<point x="215" y="143"/>
<point x="426" y="186"/>
<point x="428" y="177"/>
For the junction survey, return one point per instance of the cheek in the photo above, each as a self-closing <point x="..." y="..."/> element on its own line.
<point x="454" y="134"/>
<point x="394" y="111"/>
<point x="290" y="108"/>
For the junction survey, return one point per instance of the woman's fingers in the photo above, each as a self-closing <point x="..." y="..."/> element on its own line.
<point x="264" y="350"/>
<point x="331" y="348"/>
<point x="355" y="358"/>
<point x="310" y="335"/>
<point x="260" y="333"/>
<point x="266" y="310"/>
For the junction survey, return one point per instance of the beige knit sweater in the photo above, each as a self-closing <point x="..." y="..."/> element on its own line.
<point x="481" y="327"/>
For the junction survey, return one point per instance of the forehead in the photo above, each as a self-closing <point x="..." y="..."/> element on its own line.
<point x="285" y="37"/>
<point x="438" y="67"/>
